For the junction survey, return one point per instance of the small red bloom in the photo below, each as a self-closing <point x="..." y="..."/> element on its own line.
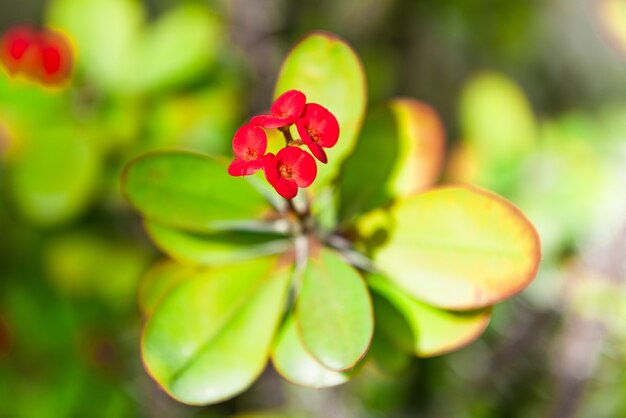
<point x="289" y="169"/>
<point x="55" y="58"/>
<point x="318" y="129"/>
<point x="249" y="146"/>
<point x="284" y="111"/>
<point x="45" y="56"/>
<point x="17" y="53"/>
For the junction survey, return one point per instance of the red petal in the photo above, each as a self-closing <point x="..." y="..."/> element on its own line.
<point x="315" y="149"/>
<point x="269" y="122"/>
<point x="287" y="188"/>
<point x="244" y="168"/>
<point x="247" y="139"/>
<point x="320" y="121"/>
<point x="289" y="105"/>
<point x="304" y="169"/>
<point x="271" y="171"/>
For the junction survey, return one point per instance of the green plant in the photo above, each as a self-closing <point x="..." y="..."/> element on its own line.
<point x="367" y="260"/>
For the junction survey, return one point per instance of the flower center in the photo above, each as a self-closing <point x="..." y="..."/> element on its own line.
<point x="251" y="154"/>
<point x="285" y="171"/>
<point x="315" y="136"/>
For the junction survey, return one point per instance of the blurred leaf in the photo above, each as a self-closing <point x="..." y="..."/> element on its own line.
<point x="432" y="331"/>
<point x="85" y="263"/>
<point x="497" y="119"/>
<point x="104" y="32"/>
<point x="460" y="248"/>
<point x="215" y="248"/>
<point x="54" y="175"/>
<point x="162" y="277"/>
<point x="189" y="191"/>
<point x="399" y="153"/>
<point x="179" y="47"/>
<point x="328" y="72"/>
<point x="292" y="360"/>
<point x="334" y="311"/>
<point x="209" y="338"/>
<point x="611" y="16"/>
<point x="422" y="141"/>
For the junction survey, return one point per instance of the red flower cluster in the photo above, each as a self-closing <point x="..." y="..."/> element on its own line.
<point x="291" y="167"/>
<point x="43" y="55"/>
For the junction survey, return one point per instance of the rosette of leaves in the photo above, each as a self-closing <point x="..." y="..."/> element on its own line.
<point x="370" y="258"/>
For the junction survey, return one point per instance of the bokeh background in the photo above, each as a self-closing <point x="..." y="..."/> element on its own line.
<point x="533" y="97"/>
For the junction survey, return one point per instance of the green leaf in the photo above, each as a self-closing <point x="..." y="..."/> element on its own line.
<point x="459" y="248"/>
<point x="104" y="32"/>
<point x="215" y="248"/>
<point x="209" y="338"/>
<point x="189" y="191"/>
<point x="158" y="281"/>
<point x="54" y="175"/>
<point x="363" y="183"/>
<point x="334" y="311"/>
<point x="405" y="138"/>
<point x="179" y="47"/>
<point x="431" y="331"/>
<point x="292" y="360"/>
<point x="328" y="72"/>
<point x="497" y="119"/>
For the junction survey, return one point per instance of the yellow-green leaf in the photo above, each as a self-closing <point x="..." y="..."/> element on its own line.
<point x="292" y="360"/>
<point x="458" y="247"/>
<point x="157" y="282"/>
<point x="431" y="331"/>
<point x="328" y="72"/>
<point x="215" y="248"/>
<point x="334" y="311"/>
<point x="210" y="337"/>
<point x="189" y="191"/>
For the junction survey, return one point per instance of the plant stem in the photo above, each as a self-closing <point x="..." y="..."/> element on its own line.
<point x="288" y="138"/>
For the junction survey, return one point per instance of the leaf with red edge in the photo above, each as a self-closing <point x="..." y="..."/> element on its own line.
<point x="423" y="329"/>
<point x="458" y="247"/>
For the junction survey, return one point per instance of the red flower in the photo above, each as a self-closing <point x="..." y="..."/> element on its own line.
<point x="45" y="56"/>
<point x="289" y="169"/>
<point x="284" y="111"/>
<point x="318" y="129"/>
<point x="249" y="146"/>
<point x="17" y="52"/>
<point x="56" y="58"/>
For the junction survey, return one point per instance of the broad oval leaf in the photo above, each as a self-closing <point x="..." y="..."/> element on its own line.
<point x="328" y="72"/>
<point x="292" y="360"/>
<point x="103" y="51"/>
<point x="158" y="281"/>
<point x="458" y="247"/>
<point x="210" y="337"/>
<point x="179" y="47"/>
<point x="215" y="248"/>
<point x="54" y="175"/>
<point x="334" y="311"/>
<point x="496" y="119"/>
<point x="405" y="138"/>
<point x="189" y="191"/>
<point x="431" y="331"/>
<point x="422" y="142"/>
